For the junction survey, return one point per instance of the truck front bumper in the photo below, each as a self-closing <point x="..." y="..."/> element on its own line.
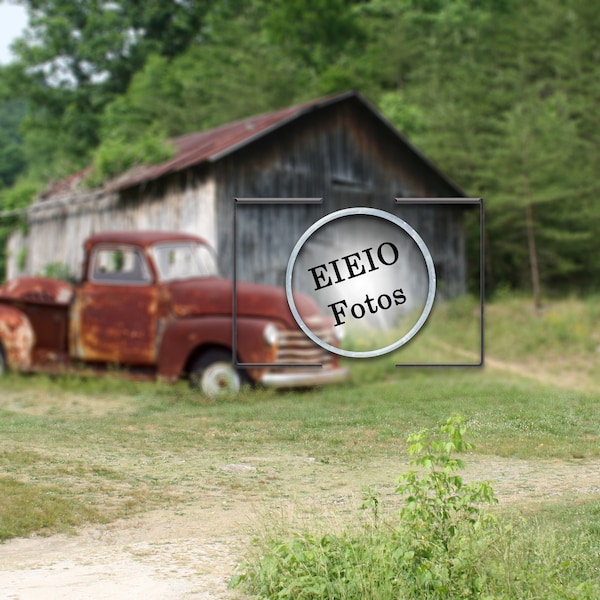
<point x="304" y="377"/>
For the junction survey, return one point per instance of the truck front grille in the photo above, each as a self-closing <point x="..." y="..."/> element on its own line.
<point x="297" y="348"/>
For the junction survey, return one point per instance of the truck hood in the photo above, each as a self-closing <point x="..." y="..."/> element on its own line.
<point x="213" y="296"/>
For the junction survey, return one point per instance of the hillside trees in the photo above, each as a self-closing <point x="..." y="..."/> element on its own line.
<point x="12" y="159"/>
<point x="505" y="105"/>
<point x="501" y="94"/>
<point x="541" y="170"/>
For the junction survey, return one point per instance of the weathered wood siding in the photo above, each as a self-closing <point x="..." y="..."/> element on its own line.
<point x="57" y="231"/>
<point x="348" y="157"/>
<point x="16" y="254"/>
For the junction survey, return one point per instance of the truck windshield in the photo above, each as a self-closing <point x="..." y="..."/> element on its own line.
<point x="184" y="260"/>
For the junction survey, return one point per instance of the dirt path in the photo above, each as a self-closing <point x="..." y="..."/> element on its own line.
<point x="155" y="557"/>
<point x="190" y="551"/>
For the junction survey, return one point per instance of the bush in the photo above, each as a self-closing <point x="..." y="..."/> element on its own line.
<point x="115" y="156"/>
<point x="442" y="524"/>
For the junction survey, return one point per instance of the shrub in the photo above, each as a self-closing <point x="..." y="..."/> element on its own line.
<point x="115" y="156"/>
<point x="442" y="523"/>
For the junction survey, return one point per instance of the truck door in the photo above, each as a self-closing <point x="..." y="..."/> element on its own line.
<point x="114" y="315"/>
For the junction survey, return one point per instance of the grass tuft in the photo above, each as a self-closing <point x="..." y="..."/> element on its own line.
<point x="26" y="507"/>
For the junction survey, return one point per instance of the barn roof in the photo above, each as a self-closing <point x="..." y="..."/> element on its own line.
<point x="211" y="145"/>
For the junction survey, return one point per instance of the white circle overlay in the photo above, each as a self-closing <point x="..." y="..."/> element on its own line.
<point x="381" y="214"/>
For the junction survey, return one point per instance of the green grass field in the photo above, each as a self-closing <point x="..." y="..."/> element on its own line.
<point x="77" y="450"/>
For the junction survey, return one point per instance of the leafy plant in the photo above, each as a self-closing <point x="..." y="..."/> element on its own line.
<point x="442" y="519"/>
<point x="58" y="270"/>
<point x="433" y="551"/>
<point x="115" y="156"/>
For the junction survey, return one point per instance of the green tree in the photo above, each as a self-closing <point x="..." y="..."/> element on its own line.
<point x="540" y="174"/>
<point x="503" y="101"/>
<point x="536" y="179"/>
<point x="12" y="158"/>
<point x="235" y="72"/>
<point x="245" y="63"/>
<point x="316" y="32"/>
<point x="76" y="56"/>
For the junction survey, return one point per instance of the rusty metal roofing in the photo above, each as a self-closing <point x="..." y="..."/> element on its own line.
<point x="213" y="144"/>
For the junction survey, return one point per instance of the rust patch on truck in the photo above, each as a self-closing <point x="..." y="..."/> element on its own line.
<point x="115" y="324"/>
<point x="45" y="304"/>
<point x="16" y="337"/>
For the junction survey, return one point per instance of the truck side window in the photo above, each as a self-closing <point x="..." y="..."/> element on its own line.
<point x="119" y="265"/>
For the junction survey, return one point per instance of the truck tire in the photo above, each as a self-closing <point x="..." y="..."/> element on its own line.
<point x="214" y="374"/>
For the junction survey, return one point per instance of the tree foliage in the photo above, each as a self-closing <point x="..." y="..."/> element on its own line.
<point x="77" y="56"/>
<point x="504" y="105"/>
<point x="12" y="159"/>
<point x="501" y="94"/>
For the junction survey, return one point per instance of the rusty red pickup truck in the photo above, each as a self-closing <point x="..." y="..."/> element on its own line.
<point x="154" y="304"/>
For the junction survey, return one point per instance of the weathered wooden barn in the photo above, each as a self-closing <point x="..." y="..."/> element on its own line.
<point x="339" y="148"/>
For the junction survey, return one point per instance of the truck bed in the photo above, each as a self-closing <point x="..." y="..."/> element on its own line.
<point x="46" y="303"/>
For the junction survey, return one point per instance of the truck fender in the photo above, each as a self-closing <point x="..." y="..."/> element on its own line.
<point x="16" y="338"/>
<point x="183" y="337"/>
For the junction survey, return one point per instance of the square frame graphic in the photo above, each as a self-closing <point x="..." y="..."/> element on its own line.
<point x="397" y="201"/>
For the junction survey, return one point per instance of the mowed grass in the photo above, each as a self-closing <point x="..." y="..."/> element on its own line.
<point x="75" y="450"/>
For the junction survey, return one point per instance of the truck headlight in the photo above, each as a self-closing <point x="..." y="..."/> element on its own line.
<point x="270" y="334"/>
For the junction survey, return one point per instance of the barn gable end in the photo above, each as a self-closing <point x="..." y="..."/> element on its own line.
<point x="350" y="157"/>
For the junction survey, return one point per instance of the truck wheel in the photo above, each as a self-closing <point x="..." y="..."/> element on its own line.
<point x="214" y="374"/>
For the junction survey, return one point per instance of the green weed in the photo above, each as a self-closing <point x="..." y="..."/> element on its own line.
<point x="441" y="545"/>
